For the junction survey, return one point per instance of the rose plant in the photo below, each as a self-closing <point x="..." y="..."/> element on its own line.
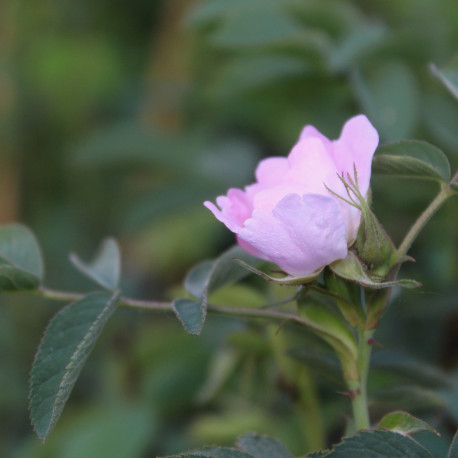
<point x="308" y="213"/>
<point x="293" y="216"/>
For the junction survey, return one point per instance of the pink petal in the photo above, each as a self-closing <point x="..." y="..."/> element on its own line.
<point x="312" y="164"/>
<point x="234" y="209"/>
<point x="250" y="249"/>
<point x="312" y="132"/>
<point x="271" y="171"/>
<point x="355" y="149"/>
<point x="301" y="235"/>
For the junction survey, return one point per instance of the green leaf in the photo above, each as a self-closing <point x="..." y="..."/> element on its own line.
<point x="453" y="450"/>
<point x="412" y="159"/>
<point x="378" y="444"/>
<point x="262" y="446"/>
<point x="317" y="454"/>
<point x="21" y="263"/>
<point x="66" y="344"/>
<point x="212" y="452"/>
<point x="448" y="76"/>
<point x="358" y="42"/>
<point x="210" y="276"/>
<point x="189" y="313"/>
<point x="105" y="268"/>
<point x="331" y="329"/>
<point x="197" y="277"/>
<point x="352" y="269"/>
<point x="404" y="423"/>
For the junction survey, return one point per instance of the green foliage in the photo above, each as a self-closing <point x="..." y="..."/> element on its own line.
<point x="412" y="159"/>
<point x="334" y="331"/>
<point x="206" y="278"/>
<point x="404" y="423"/>
<point x="249" y="446"/>
<point x="105" y="268"/>
<point x="190" y="315"/>
<point x="448" y="75"/>
<point x="21" y="263"/>
<point x="262" y="446"/>
<point x="117" y="118"/>
<point x="453" y="451"/>
<point x="63" y="351"/>
<point x="351" y="268"/>
<point x="378" y="444"/>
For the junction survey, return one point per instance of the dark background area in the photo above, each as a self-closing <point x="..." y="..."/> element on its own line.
<point x="120" y="118"/>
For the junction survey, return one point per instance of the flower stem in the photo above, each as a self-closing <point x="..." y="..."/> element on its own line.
<point x="358" y="388"/>
<point x="421" y="222"/>
<point x="66" y="296"/>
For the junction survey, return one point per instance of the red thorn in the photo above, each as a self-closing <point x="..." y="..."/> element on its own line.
<point x="372" y="341"/>
<point x="348" y="394"/>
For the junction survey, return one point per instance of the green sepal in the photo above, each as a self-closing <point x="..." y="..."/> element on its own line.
<point x="344" y="296"/>
<point x="404" y="423"/>
<point x="373" y="244"/>
<point x="287" y="280"/>
<point x="351" y="268"/>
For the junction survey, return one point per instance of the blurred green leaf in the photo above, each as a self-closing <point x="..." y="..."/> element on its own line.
<point x="251" y="27"/>
<point x="404" y="423"/>
<point x="19" y="247"/>
<point x="253" y="72"/>
<point x="197" y="277"/>
<point x="322" y="364"/>
<point x="453" y="451"/>
<point x="407" y="397"/>
<point x="189" y="313"/>
<point x="412" y="159"/>
<point x="105" y="268"/>
<point x="66" y="345"/>
<point x="204" y="279"/>
<point x="378" y="444"/>
<point x="332" y="329"/>
<point x="13" y="279"/>
<point x="121" y="431"/>
<point x="448" y="75"/>
<point x="389" y="96"/>
<point x="356" y="44"/>
<point x="262" y="446"/>
<point x="21" y="264"/>
<point x="411" y="370"/>
<point x="441" y="118"/>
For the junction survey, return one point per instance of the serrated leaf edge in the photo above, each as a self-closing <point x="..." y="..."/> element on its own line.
<point x="54" y="418"/>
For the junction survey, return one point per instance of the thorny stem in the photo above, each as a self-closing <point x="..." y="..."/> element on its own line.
<point x="358" y="388"/>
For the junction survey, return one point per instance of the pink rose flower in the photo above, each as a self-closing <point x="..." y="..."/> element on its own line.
<point x="289" y="216"/>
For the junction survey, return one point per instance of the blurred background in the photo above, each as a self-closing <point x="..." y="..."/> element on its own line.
<point x="120" y="118"/>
